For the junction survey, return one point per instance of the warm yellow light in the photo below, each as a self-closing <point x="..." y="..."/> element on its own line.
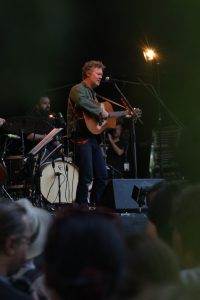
<point x="149" y="54"/>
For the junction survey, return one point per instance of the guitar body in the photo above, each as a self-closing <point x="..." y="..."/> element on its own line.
<point x="96" y="125"/>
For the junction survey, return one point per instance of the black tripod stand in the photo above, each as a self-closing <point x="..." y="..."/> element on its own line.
<point x="132" y="126"/>
<point x="3" y="173"/>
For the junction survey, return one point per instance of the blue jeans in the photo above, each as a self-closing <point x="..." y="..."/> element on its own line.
<point x="92" y="167"/>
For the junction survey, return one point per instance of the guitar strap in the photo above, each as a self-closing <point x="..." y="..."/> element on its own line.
<point x="111" y="101"/>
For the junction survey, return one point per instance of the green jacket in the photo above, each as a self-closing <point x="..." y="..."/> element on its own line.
<point x="81" y="97"/>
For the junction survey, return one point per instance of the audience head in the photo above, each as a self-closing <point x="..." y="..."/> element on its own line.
<point x="171" y="292"/>
<point x="14" y="236"/>
<point x="39" y="221"/>
<point x="186" y="220"/>
<point x="160" y="210"/>
<point x="84" y="255"/>
<point x="151" y="263"/>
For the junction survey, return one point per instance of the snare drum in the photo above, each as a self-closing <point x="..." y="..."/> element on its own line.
<point x="59" y="173"/>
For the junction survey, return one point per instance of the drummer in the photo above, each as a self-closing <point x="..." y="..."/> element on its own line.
<point x="41" y="111"/>
<point x="44" y="122"/>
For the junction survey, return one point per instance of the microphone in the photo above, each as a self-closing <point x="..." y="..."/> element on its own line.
<point x="108" y="79"/>
<point x="13" y="136"/>
<point x="114" y="80"/>
<point x="60" y="115"/>
<point x="61" y="119"/>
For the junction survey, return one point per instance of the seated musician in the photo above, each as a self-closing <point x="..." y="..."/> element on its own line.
<point x="44" y="121"/>
<point x="41" y="111"/>
<point x="115" y="152"/>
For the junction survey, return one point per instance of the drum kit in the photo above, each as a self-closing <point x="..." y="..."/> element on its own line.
<point x="47" y="177"/>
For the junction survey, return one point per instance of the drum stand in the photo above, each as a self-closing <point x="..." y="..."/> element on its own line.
<point x="4" y="191"/>
<point x="57" y="174"/>
<point x="114" y="171"/>
<point x="36" y="197"/>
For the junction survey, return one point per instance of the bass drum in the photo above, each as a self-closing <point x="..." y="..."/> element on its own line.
<point x="58" y="182"/>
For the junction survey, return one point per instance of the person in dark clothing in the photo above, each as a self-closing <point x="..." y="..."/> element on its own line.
<point x="88" y="155"/>
<point x="115" y="153"/>
<point x="43" y="122"/>
<point x="41" y="114"/>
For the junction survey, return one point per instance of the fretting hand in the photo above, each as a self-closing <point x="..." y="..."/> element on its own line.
<point x="104" y="113"/>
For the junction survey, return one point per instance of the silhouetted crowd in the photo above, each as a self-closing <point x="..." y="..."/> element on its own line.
<point x="76" y="253"/>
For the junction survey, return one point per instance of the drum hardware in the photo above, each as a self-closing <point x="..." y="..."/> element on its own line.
<point x="58" y="174"/>
<point x="21" y="125"/>
<point x="51" y="153"/>
<point x="53" y="165"/>
<point x="113" y="171"/>
<point x="55" y="182"/>
<point x="3" y="173"/>
<point x="10" y="137"/>
<point x="3" y="179"/>
<point x="58" y="181"/>
<point x="4" y="191"/>
<point x="16" y="182"/>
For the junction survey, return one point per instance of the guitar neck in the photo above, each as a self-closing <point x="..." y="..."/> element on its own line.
<point x="118" y="114"/>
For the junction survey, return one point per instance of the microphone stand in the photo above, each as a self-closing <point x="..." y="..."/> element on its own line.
<point x="2" y="186"/>
<point x="133" y="133"/>
<point x="156" y="94"/>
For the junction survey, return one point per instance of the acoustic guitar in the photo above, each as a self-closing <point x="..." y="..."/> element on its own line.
<point x="97" y="125"/>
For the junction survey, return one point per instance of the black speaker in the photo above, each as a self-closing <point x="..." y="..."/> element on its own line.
<point x="127" y="194"/>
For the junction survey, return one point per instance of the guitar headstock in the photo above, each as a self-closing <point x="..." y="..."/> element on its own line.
<point x="135" y="113"/>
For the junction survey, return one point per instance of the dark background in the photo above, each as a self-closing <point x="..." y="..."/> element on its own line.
<point x="44" y="44"/>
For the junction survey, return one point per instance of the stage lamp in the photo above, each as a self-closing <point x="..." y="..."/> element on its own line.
<point x="150" y="54"/>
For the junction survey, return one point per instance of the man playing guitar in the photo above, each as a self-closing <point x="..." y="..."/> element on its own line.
<point x="88" y="155"/>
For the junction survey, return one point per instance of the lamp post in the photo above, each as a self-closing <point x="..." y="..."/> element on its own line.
<point x="151" y="56"/>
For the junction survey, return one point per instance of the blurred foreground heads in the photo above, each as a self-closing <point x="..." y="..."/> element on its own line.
<point x="84" y="255"/>
<point x="186" y="235"/>
<point x="14" y="240"/>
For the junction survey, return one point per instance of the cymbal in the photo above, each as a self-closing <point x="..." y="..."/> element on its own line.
<point x="27" y="124"/>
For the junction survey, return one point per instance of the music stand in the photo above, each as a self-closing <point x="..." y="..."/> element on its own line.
<point x="45" y="141"/>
